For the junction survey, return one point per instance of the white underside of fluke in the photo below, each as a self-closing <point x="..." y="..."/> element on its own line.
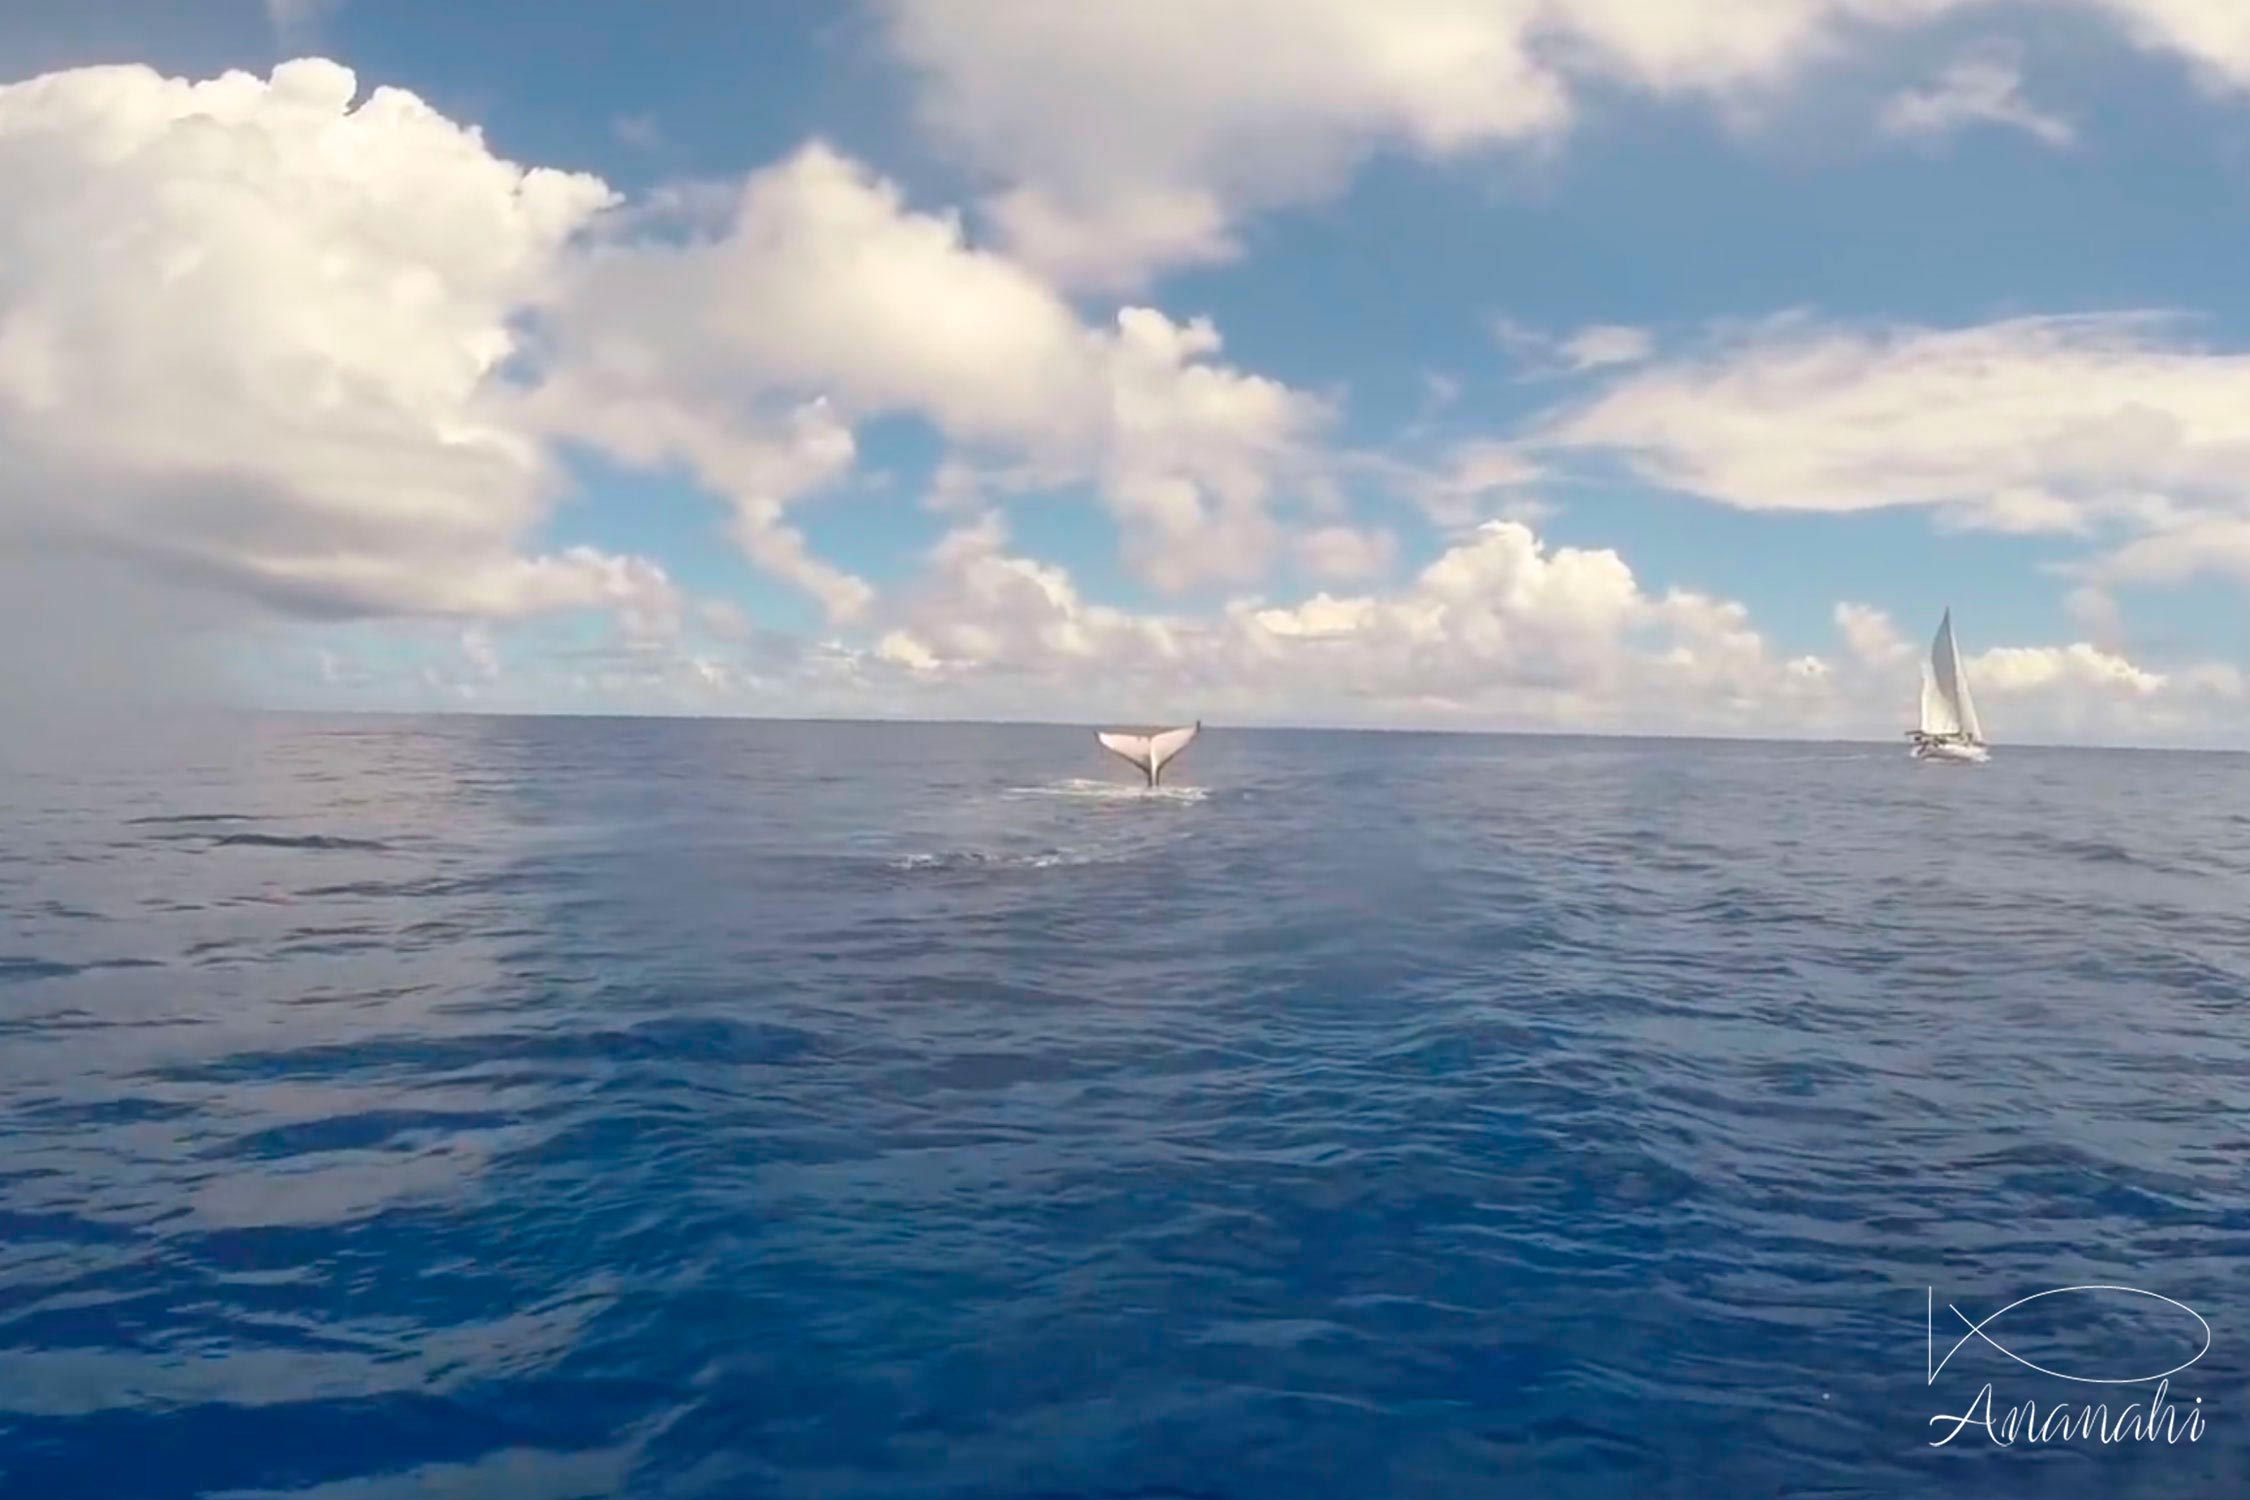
<point x="1148" y="751"/>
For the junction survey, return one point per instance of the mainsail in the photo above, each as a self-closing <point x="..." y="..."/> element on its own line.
<point x="1947" y="708"/>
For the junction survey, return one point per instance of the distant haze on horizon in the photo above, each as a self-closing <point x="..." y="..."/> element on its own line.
<point x="224" y="726"/>
<point x="1466" y="365"/>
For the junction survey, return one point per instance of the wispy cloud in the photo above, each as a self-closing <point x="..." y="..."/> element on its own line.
<point x="1983" y="88"/>
<point x="296" y="21"/>
<point x="1597" y="346"/>
<point x="640" y="131"/>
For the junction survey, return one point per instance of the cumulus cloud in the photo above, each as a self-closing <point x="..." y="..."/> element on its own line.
<point x="823" y="285"/>
<point x="1501" y="629"/>
<point x="266" y="340"/>
<point x="2019" y="669"/>
<point x="2080" y="691"/>
<point x="251" y="343"/>
<point x="1984" y="88"/>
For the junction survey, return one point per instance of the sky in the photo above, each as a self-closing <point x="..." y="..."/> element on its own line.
<point x="1583" y="365"/>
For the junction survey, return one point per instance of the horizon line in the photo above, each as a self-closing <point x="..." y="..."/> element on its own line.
<point x="1091" y="725"/>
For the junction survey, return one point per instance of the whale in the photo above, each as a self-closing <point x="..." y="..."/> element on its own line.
<point x="1150" y="752"/>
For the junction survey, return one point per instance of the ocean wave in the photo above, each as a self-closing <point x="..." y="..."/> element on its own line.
<point x="163" y="818"/>
<point x="296" y="841"/>
<point x="204" y="841"/>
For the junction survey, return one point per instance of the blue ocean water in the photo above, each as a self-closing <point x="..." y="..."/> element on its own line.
<point x="552" y="1108"/>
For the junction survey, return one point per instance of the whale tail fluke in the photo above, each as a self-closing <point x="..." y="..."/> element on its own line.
<point x="1150" y="752"/>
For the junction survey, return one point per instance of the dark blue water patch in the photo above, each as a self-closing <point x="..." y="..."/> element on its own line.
<point x="18" y="970"/>
<point x="669" y="1041"/>
<point x="277" y="1444"/>
<point x="116" y="1110"/>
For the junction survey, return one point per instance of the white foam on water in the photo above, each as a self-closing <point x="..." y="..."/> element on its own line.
<point x="1112" y="791"/>
<point x="979" y="859"/>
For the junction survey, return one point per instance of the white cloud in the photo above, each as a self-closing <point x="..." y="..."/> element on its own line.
<point x="2214" y="35"/>
<point x="981" y="608"/>
<point x="1120" y="139"/>
<point x="1107" y="239"/>
<point x="2021" y="669"/>
<point x="265" y="343"/>
<point x="1871" y="638"/>
<point x="251" y="339"/>
<point x="1985" y="87"/>
<point x="2104" y="425"/>
<point x="1346" y="553"/>
<point x="2180" y="549"/>
<point x="1500" y="629"/>
<point x="1602" y="345"/>
<point x="259" y="346"/>
<point x="1597" y="346"/>
<point x="1124" y="138"/>
<point x="1475" y="481"/>
<point x="824" y="286"/>
<point x="2082" y="692"/>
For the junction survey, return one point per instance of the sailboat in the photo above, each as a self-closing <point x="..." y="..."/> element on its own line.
<point x="1949" y="729"/>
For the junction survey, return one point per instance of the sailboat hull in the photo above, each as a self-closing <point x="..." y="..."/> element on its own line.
<point x="1954" y="754"/>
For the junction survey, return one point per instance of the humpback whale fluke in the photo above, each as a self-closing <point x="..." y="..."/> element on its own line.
<point x="1148" y="751"/>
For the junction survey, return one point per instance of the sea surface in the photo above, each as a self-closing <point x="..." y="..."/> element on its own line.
<point x="552" y="1108"/>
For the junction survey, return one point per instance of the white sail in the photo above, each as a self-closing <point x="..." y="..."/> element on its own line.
<point x="1938" y="717"/>
<point x="1951" y="685"/>
<point x="1148" y="751"/>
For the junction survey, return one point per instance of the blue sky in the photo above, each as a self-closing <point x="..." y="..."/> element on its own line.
<point x="1818" y="242"/>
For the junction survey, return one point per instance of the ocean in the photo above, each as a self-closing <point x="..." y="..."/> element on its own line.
<point x="543" y="1108"/>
